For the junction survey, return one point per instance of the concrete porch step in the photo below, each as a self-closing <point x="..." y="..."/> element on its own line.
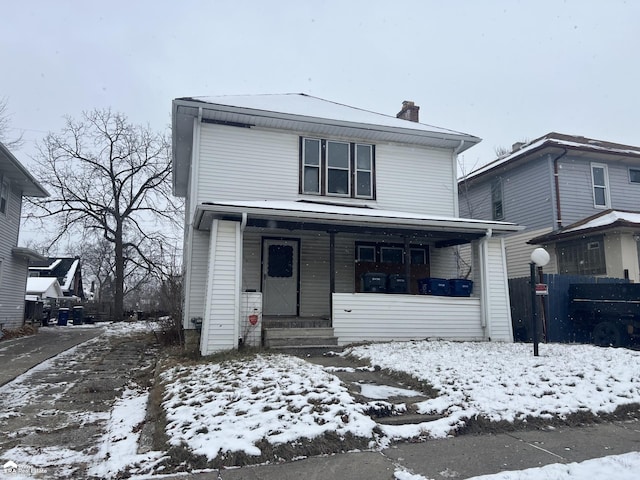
<point x="297" y="332"/>
<point x="295" y="322"/>
<point x="299" y="337"/>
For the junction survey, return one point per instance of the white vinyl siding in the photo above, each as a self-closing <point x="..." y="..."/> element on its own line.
<point x="253" y="164"/>
<point x="13" y="277"/>
<point x="383" y="317"/>
<point x="519" y="253"/>
<point x="248" y="164"/>
<point x="221" y="318"/>
<point x="498" y="307"/>
<point x="415" y="179"/>
<point x="196" y="277"/>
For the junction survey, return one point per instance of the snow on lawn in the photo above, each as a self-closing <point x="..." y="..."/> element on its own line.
<point x="233" y="406"/>
<point x="504" y="381"/>
<point x="215" y="408"/>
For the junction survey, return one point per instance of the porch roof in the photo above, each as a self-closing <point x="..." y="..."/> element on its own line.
<point x="304" y="215"/>
<point x="603" y="221"/>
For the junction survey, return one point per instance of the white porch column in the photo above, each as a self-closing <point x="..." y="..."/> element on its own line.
<point x="496" y="307"/>
<point x="220" y="325"/>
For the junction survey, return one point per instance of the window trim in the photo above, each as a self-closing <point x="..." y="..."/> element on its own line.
<point x="637" y="170"/>
<point x="323" y="189"/>
<point x="378" y="246"/>
<point x="607" y="198"/>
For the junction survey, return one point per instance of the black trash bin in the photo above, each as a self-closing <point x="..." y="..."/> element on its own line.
<point x="63" y="316"/>
<point x="78" y="315"/>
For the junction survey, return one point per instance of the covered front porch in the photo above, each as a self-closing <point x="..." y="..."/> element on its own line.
<point x="265" y="261"/>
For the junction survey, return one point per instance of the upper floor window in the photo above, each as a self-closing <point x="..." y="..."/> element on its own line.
<point x="4" y="195"/>
<point x="497" y="208"/>
<point x="600" y="182"/>
<point x="337" y="168"/>
<point x="634" y="175"/>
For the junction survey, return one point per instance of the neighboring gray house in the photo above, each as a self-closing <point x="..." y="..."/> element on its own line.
<point x="15" y="182"/>
<point x="297" y="210"/>
<point x="578" y="197"/>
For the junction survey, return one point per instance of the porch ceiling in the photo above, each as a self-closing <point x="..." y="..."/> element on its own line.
<point x="290" y="215"/>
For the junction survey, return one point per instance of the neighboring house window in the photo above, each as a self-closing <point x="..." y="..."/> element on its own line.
<point x="634" y="175"/>
<point x="4" y="196"/>
<point x="497" y="207"/>
<point x="337" y="168"/>
<point x="600" y="181"/>
<point x="582" y="257"/>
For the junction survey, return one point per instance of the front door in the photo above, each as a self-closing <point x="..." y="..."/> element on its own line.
<point x="280" y="276"/>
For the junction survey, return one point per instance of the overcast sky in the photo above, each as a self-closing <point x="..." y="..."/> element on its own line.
<point x="501" y="70"/>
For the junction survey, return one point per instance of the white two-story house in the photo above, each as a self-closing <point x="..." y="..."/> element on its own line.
<point x="309" y="214"/>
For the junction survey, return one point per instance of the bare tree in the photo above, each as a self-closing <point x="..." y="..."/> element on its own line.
<point x="5" y="126"/>
<point x="110" y="178"/>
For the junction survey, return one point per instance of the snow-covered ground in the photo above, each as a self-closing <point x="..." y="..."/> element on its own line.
<point x="618" y="467"/>
<point x="241" y="405"/>
<point x="217" y="408"/>
<point x="506" y="382"/>
<point x="278" y="398"/>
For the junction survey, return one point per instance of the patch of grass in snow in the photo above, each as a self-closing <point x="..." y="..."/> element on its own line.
<point x="182" y="459"/>
<point x="482" y="425"/>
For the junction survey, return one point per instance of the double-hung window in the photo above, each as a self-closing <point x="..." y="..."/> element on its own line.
<point x="338" y="169"/>
<point x="335" y="168"/>
<point x="600" y="183"/>
<point x="497" y="208"/>
<point x="4" y="195"/>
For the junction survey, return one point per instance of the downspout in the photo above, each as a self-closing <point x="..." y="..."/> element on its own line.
<point x="556" y="179"/>
<point x="454" y="158"/>
<point x="484" y="255"/>
<point x="239" y="246"/>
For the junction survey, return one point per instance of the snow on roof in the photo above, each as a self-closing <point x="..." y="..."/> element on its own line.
<point x="48" y="266"/>
<point x="559" y="140"/>
<point x="44" y="286"/>
<point x="607" y="218"/>
<point x="306" y="105"/>
<point x="68" y="279"/>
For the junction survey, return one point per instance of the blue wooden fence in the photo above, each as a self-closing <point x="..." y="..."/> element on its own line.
<point x="555" y="324"/>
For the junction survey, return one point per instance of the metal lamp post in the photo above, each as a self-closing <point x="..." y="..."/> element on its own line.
<point x="539" y="257"/>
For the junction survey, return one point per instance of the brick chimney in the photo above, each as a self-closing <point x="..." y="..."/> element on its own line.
<point x="409" y="111"/>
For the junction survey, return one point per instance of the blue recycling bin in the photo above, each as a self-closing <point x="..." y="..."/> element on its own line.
<point x="63" y="316"/>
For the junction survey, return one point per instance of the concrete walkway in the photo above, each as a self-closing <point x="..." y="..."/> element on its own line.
<point x="458" y="458"/>
<point x="19" y="355"/>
